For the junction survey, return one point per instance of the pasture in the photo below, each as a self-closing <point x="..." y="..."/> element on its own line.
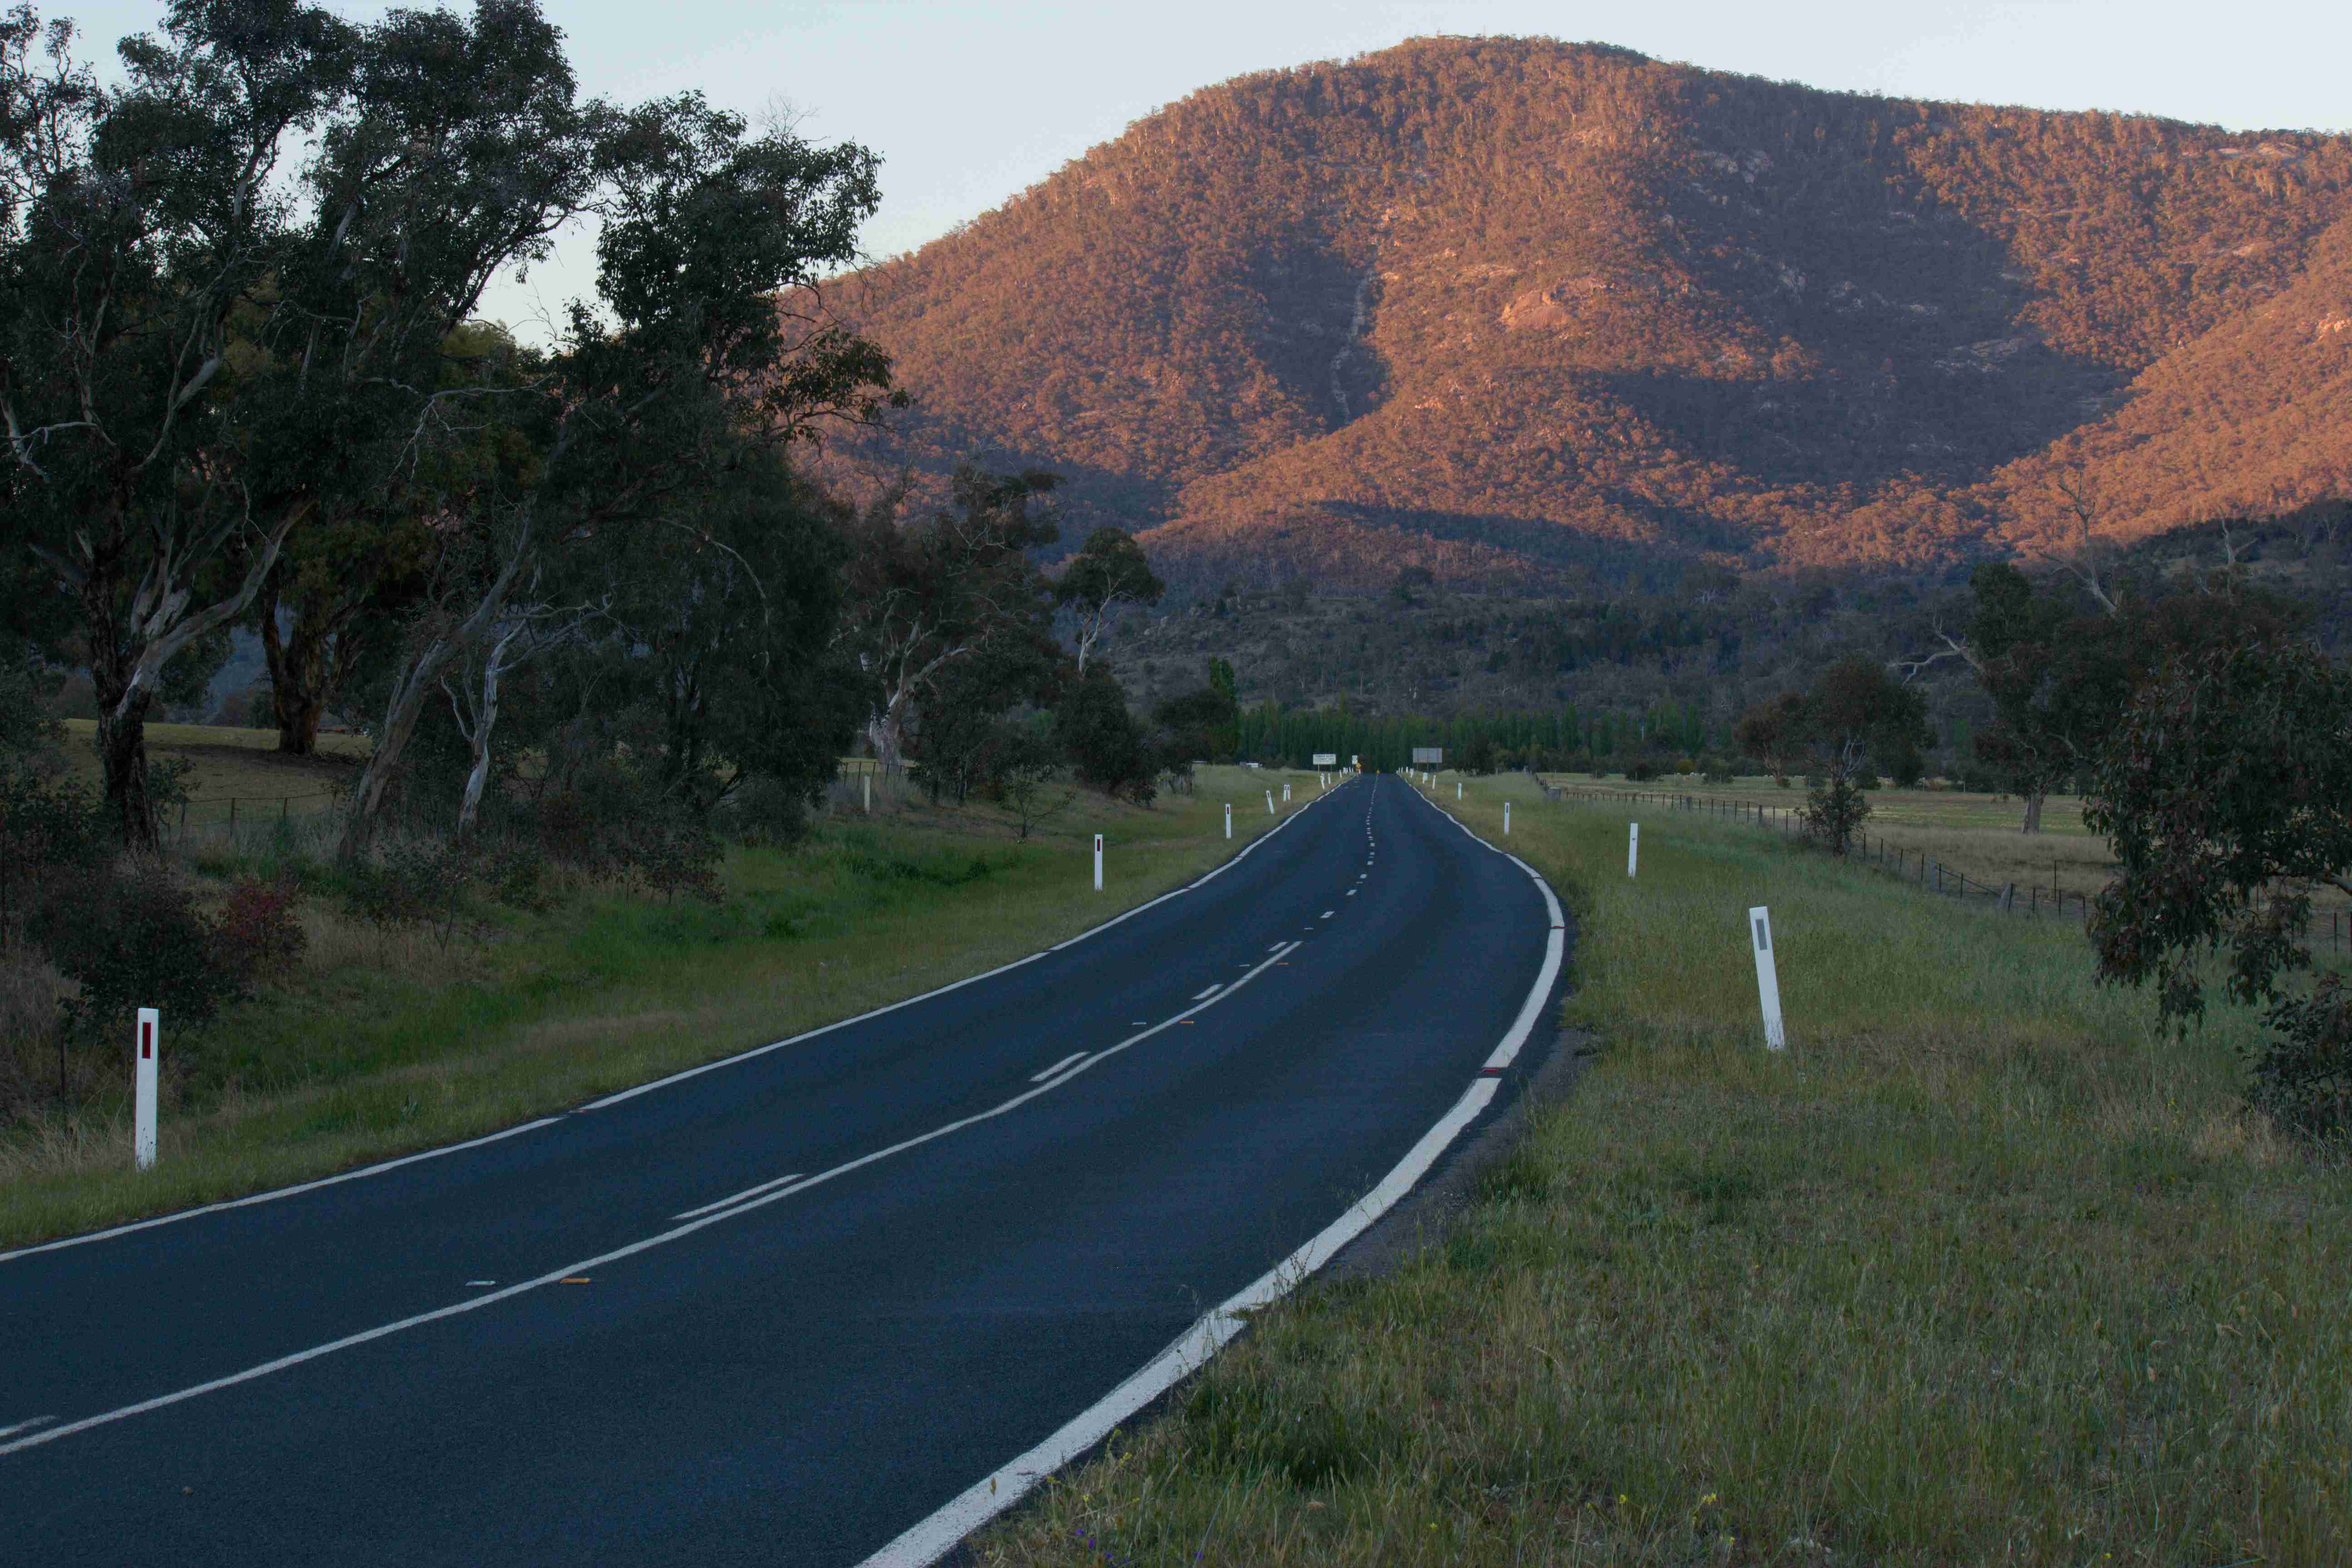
<point x="1984" y="1268"/>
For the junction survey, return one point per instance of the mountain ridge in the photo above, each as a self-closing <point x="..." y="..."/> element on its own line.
<point x="1515" y="309"/>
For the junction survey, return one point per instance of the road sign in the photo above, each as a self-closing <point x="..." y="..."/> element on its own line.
<point x="1429" y="756"/>
<point x="1326" y="758"/>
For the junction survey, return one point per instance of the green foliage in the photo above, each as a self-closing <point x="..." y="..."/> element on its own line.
<point x="1104" y="744"/>
<point x="136" y="940"/>
<point x="2227" y="795"/>
<point x="1854" y="717"/>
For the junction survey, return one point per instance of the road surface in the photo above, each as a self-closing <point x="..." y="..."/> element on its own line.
<point x="783" y="1308"/>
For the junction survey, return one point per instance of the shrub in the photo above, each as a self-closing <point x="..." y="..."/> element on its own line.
<point x="138" y="943"/>
<point x="673" y="854"/>
<point x="256" y="936"/>
<point x="2302" y="1071"/>
<point x="412" y="884"/>
<point x="1641" y="770"/>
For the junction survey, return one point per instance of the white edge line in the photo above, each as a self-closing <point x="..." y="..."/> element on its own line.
<point x="937" y="1535"/>
<point x="677" y="1232"/>
<point x="273" y="1194"/>
<point x="26" y="1425"/>
<point x="1057" y="1067"/>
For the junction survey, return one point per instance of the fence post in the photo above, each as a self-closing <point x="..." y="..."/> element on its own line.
<point x="2008" y="899"/>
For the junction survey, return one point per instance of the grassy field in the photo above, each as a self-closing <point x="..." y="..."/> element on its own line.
<point x="1976" y="835"/>
<point x="384" y="1044"/>
<point x="242" y="765"/>
<point x="1981" y="1270"/>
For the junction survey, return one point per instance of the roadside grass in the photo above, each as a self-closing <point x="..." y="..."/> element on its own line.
<point x="1983" y="1268"/>
<point x="386" y="1043"/>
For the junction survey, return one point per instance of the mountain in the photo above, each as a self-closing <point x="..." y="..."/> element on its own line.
<point x="1524" y="312"/>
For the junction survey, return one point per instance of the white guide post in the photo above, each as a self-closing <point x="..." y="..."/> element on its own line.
<point x="149" y="1046"/>
<point x="1097" y="862"/>
<point x="1229" y="819"/>
<point x="1457" y="789"/>
<point x="1633" y="848"/>
<point x="865" y="781"/>
<point x="1768" y="981"/>
<point x="1269" y="803"/>
<point x="1286" y="789"/>
<point x="1506" y="818"/>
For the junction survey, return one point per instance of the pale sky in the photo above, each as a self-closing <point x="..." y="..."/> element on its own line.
<point x="969" y="103"/>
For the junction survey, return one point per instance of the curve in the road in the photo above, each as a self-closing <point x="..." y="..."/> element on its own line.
<point x="776" y="1310"/>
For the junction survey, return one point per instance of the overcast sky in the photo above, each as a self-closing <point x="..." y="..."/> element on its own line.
<point x="969" y="103"/>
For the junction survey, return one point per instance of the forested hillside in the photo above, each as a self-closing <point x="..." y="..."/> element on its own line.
<point x="1500" y="307"/>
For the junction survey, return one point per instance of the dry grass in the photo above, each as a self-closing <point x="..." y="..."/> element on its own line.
<point x="380" y="1044"/>
<point x="1982" y="1269"/>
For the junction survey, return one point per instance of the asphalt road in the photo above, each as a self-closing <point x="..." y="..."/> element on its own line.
<point x="564" y="1345"/>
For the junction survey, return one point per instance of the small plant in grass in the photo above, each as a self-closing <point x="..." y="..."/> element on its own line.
<point x="674" y="855"/>
<point x="257" y="935"/>
<point x="412" y="884"/>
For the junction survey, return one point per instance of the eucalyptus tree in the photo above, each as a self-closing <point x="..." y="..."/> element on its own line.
<point x="681" y="377"/>
<point x="1108" y="573"/>
<point x="927" y="596"/>
<point x="207" y="352"/>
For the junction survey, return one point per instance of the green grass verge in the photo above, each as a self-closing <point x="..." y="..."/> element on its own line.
<point x="380" y="1046"/>
<point x="1982" y="1269"/>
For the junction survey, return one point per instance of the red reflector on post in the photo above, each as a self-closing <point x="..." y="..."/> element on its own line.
<point x="146" y="1040"/>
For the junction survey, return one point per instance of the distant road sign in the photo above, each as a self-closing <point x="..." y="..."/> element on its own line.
<point x="1326" y="758"/>
<point x="1428" y="756"/>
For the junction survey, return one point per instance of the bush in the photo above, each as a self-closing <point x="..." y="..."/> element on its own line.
<point x="52" y="835"/>
<point x="256" y="936"/>
<point x="138" y="943"/>
<point x="672" y="854"/>
<point x="1641" y="770"/>
<point x="412" y="884"/>
<point x="2303" y="1073"/>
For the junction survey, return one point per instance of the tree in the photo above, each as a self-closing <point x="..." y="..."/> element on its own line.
<point x="1109" y="571"/>
<point x="222" y="356"/>
<point x="926" y="597"/>
<point x="1772" y="732"/>
<point x="1102" y="740"/>
<point x="650" y="406"/>
<point x="1032" y="760"/>
<point x="1855" y="717"/>
<point x="143" y="245"/>
<point x="2062" y="660"/>
<point x="2226" y="794"/>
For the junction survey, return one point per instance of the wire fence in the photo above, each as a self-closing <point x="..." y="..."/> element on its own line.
<point x="2329" y="930"/>
<point x="237" y="821"/>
